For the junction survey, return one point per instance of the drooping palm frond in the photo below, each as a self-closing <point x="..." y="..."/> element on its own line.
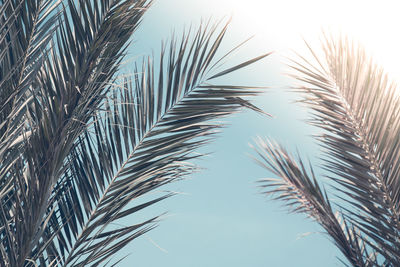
<point x="357" y="106"/>
<point x="301" y="192"/>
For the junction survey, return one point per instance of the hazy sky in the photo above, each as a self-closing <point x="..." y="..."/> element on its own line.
<point x="220" y="219"/>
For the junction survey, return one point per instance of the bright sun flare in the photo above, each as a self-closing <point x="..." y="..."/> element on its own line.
<point x="373" y="23"/>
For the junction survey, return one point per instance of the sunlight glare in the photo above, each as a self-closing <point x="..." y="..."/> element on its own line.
<point x="375" y="24"/>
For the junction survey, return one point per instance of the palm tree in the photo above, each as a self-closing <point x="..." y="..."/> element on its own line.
<point x="79" y="140"/>
<point x="357" y="108"/>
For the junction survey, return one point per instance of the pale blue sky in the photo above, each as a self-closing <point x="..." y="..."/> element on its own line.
<point x="221" y="219"/>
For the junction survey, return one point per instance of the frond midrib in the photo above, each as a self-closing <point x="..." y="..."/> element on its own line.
<point x="362" y="141"/>
<point x="126" y="161"/>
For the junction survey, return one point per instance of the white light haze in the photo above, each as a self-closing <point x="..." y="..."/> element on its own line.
<point x="375" y="24"/>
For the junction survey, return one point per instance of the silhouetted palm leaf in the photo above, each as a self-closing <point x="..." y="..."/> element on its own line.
<point x="358" y="109"/>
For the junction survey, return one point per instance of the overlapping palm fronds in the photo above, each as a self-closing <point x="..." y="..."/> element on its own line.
<point x="358" y="109"/>
<point x="26" y="28"/>
<point x="78" y="144"/>
<point x="142" y="140"/>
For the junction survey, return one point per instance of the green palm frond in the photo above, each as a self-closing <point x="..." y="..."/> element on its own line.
<point x="357" y="106"/>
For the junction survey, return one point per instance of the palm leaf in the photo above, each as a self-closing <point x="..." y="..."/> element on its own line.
<point x="77" y="145"/>
<point x="65" y="92"/>
<point x="26" y="28"/>
<point x="144" y="138"/>
<point x="301" y="192"/>
<point x="357" y="107"/>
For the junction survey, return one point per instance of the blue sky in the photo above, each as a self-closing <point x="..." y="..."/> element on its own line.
<point x="220" y="218"/>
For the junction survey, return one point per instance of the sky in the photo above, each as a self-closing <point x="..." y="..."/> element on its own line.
<point x="219" y="217"/>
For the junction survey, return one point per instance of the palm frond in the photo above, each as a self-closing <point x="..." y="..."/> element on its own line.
<point x="77" y="145"/>
<point x="26" y="28"/>
<point x="143" y="137"/>
<point x="65" y="92"/>
<point x="25" y="31"/>
<point x="301" y="192"/>
<point x="357" y="107"/>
